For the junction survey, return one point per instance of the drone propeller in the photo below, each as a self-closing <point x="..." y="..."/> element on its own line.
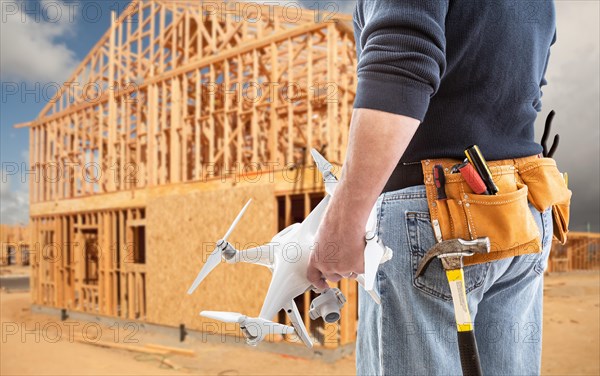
<point x="325" y="168"/>
<point x="237" y="219"/>
<point x="374" y="295"/>
<point x="372" y="220"/>
<point x="373" y="251"/>
<point x="215" y="257"/>
<point x="375" y="254"/>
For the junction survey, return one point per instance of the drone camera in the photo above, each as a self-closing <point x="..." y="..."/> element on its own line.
<point x="327" y="305"/>
<point x="332" y="317"/>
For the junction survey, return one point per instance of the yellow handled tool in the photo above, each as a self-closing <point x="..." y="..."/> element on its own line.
<point x="451" y="253"/>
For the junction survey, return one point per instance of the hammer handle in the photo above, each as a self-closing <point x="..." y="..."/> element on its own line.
<point x="469" y="355"/>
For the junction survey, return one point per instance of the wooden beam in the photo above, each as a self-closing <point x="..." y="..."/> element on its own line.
<point x="283" y="35"/>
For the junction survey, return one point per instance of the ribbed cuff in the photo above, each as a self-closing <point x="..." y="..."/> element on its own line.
<point x="401" y="98"/>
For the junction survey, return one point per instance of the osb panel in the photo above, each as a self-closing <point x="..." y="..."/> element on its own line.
<point x="181" y="232"/>
<point x="286" y="181"/>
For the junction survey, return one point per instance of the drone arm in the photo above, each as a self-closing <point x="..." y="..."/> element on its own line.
<point x="261" y="255"/>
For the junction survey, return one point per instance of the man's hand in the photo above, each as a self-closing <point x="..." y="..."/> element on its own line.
<point x="377" y="142"/>
<point x="339" y="247"/>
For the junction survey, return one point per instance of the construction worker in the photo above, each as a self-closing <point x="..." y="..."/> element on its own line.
<point x="434" y="77"/>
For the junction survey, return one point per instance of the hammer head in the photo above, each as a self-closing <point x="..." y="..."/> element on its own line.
<point x="452" y="251"/>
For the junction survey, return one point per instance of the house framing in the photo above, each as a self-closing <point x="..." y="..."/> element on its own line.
<point x="14" y="245"/>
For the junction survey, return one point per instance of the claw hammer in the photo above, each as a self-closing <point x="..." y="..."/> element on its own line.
<point x="451" y="253"/>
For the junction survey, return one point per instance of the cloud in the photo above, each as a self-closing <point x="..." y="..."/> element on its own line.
<point x="325" y="6"/>
<point x="574" y="92"/>
<point x="30" y="46"/>
<point x="14" y="199"/>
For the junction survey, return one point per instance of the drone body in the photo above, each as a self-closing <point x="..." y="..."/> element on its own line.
<point x="287" y="256"/>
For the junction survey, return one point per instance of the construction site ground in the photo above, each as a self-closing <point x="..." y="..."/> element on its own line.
<point x="571" y="342"/>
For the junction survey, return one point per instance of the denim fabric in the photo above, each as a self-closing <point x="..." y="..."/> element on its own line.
<point x="413" y="331"/>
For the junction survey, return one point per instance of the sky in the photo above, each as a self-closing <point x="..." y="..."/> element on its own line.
<point x="42" y="41"/>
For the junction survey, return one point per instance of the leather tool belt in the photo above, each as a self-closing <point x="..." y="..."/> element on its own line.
<point x="505" y="217"/>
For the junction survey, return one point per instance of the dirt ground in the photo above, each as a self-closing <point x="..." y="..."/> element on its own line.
<point x="34" y="344"/>
<point x="571" y="342"/>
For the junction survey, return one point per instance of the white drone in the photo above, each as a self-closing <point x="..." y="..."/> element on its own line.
<point x="287" y="257"/>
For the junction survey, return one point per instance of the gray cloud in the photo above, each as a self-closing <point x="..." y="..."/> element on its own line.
<point x="573" y="91"/>
<point x="14" y="199"/>
<point x="29" y="47"/>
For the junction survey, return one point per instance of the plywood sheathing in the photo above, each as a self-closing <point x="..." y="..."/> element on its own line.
<point x="182" y="232"/>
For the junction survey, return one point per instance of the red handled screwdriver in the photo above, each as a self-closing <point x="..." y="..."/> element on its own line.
<point x="473" y="179"/>
<point x="440" y="181"/>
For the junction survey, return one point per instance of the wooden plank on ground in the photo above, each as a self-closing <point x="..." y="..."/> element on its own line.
<point x="121" y="346"/>
<point x="174" y="350"/>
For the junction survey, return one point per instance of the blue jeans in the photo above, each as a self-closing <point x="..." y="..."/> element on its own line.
<point x="413" y="331"/>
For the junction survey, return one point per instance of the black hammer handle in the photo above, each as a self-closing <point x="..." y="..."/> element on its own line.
<point x="469" y="355"/>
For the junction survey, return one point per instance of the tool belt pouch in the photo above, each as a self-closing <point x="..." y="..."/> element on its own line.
<point x="548" y="188"/>
<point x="505" y="218"/>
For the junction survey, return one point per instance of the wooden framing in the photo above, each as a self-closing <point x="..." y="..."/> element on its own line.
<point x="582" y="252"/>
<point x="15" y="243"/>
<point x="177" y="98"/>
<point x="190" y="103"/>
<point x="61" y="262"/>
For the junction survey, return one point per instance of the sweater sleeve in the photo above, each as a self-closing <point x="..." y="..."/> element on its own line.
<point x="402" y="54"/>
<point x="538" y="104"/>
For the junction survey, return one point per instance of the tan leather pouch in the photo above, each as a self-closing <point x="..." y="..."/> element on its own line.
<point x="547" y="188"/>
<point x="560" y="216"/>
<point x="505" y="217"/>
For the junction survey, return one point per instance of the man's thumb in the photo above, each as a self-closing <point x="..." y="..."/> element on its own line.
<point x="315" y="277"/>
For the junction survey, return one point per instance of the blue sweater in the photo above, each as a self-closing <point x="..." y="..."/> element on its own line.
<point x="471" y="71"/>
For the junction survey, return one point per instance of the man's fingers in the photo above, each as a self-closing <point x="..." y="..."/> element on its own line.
<point x="321" y="285"/>
<point x="315" y="277"/>
<point x="313" y="274"/>
<point x="360" y="266"/>
<point x="333" y="277"/>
